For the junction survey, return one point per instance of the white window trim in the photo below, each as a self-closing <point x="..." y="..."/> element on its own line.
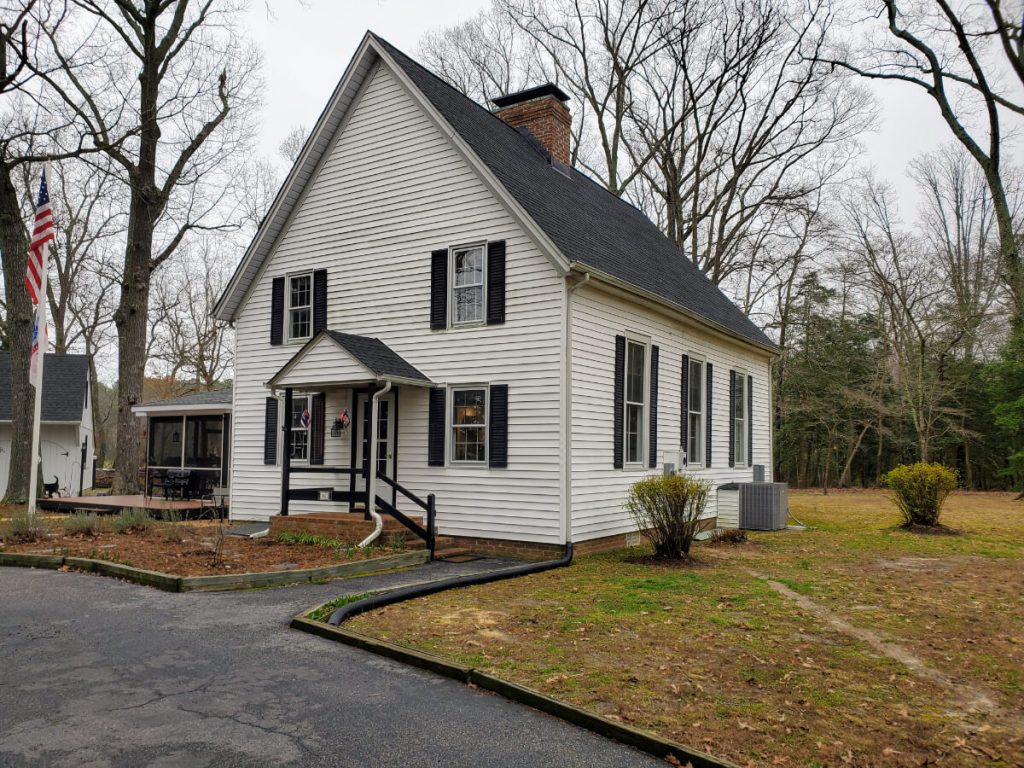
<point x="452" y="322"/>
<point x="288" y="308"/>
<point x="646" y="342"/>
<point x="450" y="427"/>
<point x="308" y="397"/>
<point x="691" y="463"/>
<point x="740" y="462"/>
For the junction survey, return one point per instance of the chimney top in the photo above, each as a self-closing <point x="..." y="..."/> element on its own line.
<point x="548" y="89"/>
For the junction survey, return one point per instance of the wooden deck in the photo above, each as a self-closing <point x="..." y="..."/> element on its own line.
<point x="116" y="503"/>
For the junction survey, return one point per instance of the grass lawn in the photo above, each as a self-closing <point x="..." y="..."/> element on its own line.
<point x="852" y="643"/>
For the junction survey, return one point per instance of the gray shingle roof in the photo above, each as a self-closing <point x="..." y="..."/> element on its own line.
<point x="587" y="223"/>
<point x="65" y="382"/>
<point x="377" y="356"/>
<point x="220" y="396"/>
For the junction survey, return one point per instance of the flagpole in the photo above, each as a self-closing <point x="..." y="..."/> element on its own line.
<point x="38" y="383"/>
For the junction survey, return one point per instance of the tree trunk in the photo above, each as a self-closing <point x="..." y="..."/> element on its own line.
<point x="844" y="478"/>
<point x="14" y="245"/>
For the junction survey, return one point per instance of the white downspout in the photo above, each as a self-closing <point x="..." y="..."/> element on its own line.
<point x="567" y="406"/>
<point x="371" y="479"/>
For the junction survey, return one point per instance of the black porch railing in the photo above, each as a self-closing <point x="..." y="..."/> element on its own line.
<point x="426" y="533"/>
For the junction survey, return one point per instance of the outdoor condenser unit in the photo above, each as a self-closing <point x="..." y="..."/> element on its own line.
<point x="754" y="506"/>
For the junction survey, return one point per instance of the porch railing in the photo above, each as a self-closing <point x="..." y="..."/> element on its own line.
<point x="428" y="506"/>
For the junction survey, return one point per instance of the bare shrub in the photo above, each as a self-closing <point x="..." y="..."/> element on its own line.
<point x="83" y="524"/>
<point x="23" y="527"/>
<point x="669" y="508"/>
<point x="132" y="520"/>
<point x="920" y="490"/>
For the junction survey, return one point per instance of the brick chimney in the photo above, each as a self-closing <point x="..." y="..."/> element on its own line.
<point x="542" y="111"/>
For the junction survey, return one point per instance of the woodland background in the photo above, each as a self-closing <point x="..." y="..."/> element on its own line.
<point x="733" y="124"/>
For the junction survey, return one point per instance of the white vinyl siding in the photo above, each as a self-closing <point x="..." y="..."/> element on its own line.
<point x="392" y="190"/>
<point x="597" y="489"/>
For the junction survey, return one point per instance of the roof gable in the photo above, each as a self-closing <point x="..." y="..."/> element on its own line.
<point x="573" y="220"/>
<point x="361" y="359"/>
<point x="65" y="383"/>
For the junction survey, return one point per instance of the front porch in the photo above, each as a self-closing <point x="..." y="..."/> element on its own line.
<point x="339" y="401"/>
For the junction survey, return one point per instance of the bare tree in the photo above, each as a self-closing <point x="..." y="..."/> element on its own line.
<point x="291" y="146"/>
<point x="958" y="54"/>
<point x="160" y="83"/>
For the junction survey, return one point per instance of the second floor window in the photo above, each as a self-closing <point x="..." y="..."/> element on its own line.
<point x="300" y="306"/>
<point x="467" y="285"/>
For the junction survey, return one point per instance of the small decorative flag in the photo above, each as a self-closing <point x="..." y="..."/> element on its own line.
<point x="304" y="419"/>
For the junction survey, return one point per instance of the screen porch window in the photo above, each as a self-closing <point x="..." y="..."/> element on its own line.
<point x="695" y="412"/>
<point x="300" y="306"/>
<point x="300" y="419"/>
<point x="636" y="393"/>
<point x="739" y="420"/>
<point x="469" y="425"/>
<point x="467" y="285"/>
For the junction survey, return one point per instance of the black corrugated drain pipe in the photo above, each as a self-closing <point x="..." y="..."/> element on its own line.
<point x="420" y="590"/>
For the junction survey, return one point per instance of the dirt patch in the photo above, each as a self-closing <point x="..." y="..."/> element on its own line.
<point x="186" y="549"/>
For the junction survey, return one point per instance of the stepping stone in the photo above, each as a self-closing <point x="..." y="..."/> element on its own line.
<point x="246" y="531"/>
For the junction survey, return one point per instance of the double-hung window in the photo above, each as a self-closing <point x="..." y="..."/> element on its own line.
<point x="300" y="306"/>
<point x="299" y="421"/>
<point x="695" y="412"/>
<point x="469" y="424"/>
<point x="467" y="265"/>
<point x="635" y="405"/>
<point x="739" y="419"/>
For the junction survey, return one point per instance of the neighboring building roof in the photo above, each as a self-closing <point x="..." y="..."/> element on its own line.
<point x="65" y="383"/>
<point x="377" y="356"/>
<point x="214" y="397"/>
<point x="588" y="225"/>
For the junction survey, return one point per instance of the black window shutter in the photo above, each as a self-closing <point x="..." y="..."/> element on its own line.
<point x="652" y="430"/>
<point x="270" y="432"/>
<point x="707" y="415"/>
<point x="497" y="450"/>
<point x="732" y="420"/>
<point x="684" y="407"/>
<point x="436" y="427"/>
<point x="277" y="312"/>
<point x="319" y="300"/>
<point x="618" y="406"/>
<point x="750" y="421"/>
<point x="316" y="429"/>
<point x="496" y="282"/>
<point x="439" y="289"/>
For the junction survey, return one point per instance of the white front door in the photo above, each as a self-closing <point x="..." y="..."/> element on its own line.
<point x="385" y="448"/>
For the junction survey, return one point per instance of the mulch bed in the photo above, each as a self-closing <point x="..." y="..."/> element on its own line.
<point x="157" y="550"/>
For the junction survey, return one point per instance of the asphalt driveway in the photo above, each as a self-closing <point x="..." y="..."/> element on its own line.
<point x="97" y="672"/>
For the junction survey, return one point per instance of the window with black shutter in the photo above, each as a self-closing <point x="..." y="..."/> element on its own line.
<point x="270" y="432"/>
<point x="618" y="418"/>
<point x="684" y="409"/>
<point x="496" y="282"/>
<point x="436" y="426"/>
<point x="497" y="454"/>
<point x="750" y="421"/>
<point x="732" y="418"/>
<point x="652" y="428"/>
<point x="439" y="290"/>
<point x="708" y="410"/>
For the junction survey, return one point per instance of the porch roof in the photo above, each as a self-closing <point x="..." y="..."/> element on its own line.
<point x="363" y="360"/>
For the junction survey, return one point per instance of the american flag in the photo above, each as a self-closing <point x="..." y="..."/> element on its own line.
<point x="42" y="233"/>
<point x="304" y="419"/>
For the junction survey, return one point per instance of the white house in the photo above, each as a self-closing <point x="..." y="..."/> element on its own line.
<point x="66" y="436"/>
<point x="534" y="344"/>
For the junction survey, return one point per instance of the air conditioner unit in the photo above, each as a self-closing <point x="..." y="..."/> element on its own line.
<point x="754" y="506"/>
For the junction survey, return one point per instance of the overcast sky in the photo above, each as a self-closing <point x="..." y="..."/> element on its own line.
<point x="309" y="42"/>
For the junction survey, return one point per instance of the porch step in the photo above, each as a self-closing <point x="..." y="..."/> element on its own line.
<point x="349" y="527"/>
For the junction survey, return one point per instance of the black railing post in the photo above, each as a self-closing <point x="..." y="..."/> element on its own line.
<point x="286" y="452"/>
<point x="430" y="524"/>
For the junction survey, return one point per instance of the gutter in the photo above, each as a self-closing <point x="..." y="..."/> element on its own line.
<point x="432" y="587"/>
<point x="371" y="480"/>
<point x="567" y="409"/>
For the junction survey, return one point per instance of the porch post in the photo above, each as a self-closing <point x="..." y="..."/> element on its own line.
<point x="286" y="451"/>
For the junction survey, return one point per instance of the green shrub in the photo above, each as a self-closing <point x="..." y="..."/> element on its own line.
<point x="920" y="490"/>
<point x="83" y="524"/>
<point x="132" y="520"/>
<point x="668" y="508"/>
<point x="23" y="527"/>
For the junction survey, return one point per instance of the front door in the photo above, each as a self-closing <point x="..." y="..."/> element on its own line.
<point x="384" y="451"/>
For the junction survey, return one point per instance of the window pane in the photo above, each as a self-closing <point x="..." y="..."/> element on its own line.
<point x="469" y="304"/>
<point x="738" y="405"/>
<point x="696" y="384"/>
<point x="469" y="267"/>
<point x="695" y="438"/>
<point x="634" y="422"/>
<point x="300" y="324"/>
<point x="203" y="436"/>
<point x="468" y="406"/>
<point x="300" y="407"/>
<point x="300" y="293"/>
<point x="300" y="445"/>
<point x="165" y="442"/>
<point x="635" y="373"/>
<point x="468" y="444"/>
